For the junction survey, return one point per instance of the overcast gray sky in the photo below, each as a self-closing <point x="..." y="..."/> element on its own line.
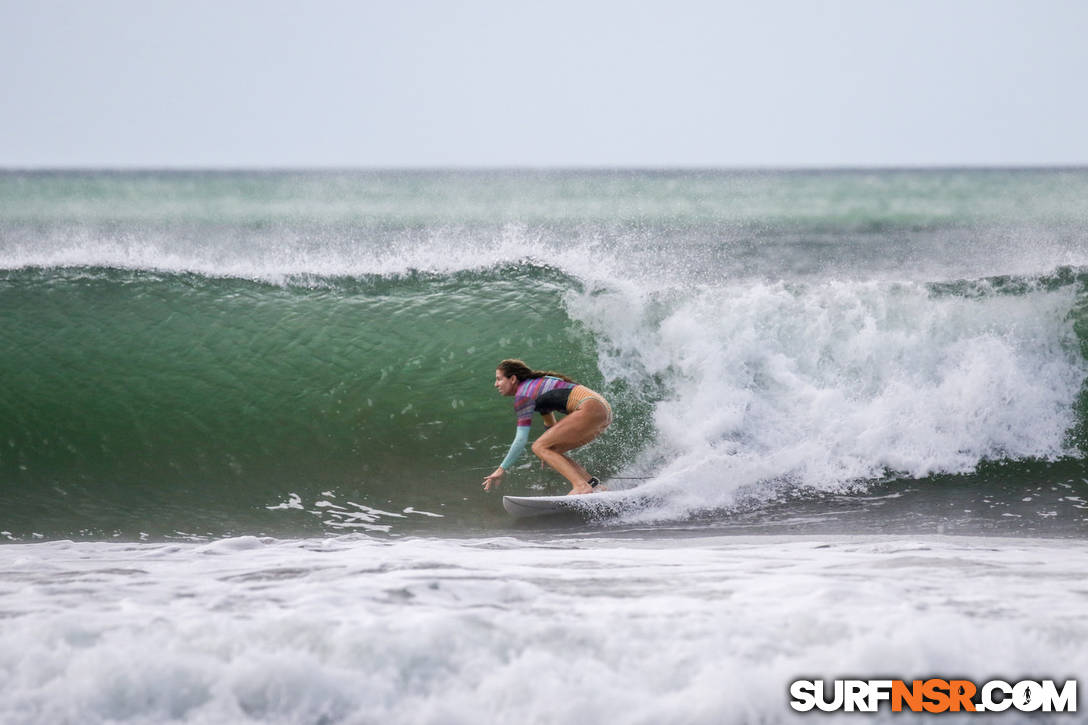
<point x="273" y="83"/>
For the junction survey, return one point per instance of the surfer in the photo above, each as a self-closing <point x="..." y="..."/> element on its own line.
<point x="587" y="415"/>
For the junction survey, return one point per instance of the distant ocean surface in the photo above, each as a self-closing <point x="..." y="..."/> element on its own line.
<point x="244" y="419"/>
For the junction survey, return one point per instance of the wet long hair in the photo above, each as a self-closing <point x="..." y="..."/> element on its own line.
<point x="523" y="372"/>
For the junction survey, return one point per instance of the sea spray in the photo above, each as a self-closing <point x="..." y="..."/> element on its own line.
<point x="833" y="383"/>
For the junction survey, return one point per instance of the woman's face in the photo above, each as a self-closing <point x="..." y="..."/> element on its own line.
<point x="506" y="385"/>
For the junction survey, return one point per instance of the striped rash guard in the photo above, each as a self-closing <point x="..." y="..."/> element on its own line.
<point x="536" y="395"/>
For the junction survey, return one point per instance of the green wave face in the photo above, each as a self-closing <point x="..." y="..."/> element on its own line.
<point x="139" y="401"/>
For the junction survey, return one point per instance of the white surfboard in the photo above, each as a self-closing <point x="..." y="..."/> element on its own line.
<point x="602" y="503"/>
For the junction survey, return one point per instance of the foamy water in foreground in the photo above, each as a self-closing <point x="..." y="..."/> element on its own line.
<point x="618" y="629"/>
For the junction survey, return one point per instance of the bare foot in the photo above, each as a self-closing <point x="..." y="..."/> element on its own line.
<point x="580" y="489"/>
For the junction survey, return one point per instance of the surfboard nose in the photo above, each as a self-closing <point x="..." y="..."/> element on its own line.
<point x="526" y="506"/>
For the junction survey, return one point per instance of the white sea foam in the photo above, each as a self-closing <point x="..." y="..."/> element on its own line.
<point x="353" y="630"/>
<point x="827" y="384"/>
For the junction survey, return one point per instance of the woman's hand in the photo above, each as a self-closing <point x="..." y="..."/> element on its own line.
<point x="494" y="479"/>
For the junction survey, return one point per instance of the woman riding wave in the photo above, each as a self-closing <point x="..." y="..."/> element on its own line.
<point x="587" y="415"/>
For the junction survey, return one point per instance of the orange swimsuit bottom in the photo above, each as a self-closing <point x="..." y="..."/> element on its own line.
<point x="580" y="394"/>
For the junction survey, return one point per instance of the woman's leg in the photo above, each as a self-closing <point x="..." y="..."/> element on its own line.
<point x="574" y="431"/>
<point x="583" y="474"/>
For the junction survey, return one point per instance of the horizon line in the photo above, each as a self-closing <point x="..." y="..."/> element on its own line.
<point x="602" y="168"/>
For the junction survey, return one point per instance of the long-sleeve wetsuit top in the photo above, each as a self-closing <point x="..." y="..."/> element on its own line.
<point x="536" y="395"/>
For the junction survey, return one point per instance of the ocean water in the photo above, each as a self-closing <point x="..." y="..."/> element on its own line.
<point x="245" y="417"/>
